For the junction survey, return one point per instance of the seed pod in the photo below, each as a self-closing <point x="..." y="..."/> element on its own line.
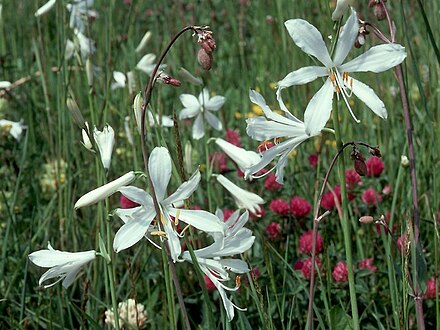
<point x="205" y="59"/>
<point x="366" y="219"/>
<point x="360" y="167"/>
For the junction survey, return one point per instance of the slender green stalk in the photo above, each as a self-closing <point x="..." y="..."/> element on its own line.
<point x="346" y="225"/>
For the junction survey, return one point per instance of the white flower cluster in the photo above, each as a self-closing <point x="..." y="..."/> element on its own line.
<point x="131" y="315"/>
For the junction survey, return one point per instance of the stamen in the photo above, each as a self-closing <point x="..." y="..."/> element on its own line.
<point x="162" y="219"/>
<point x="237" y="281"/>
<point x="176" y="219"/>
<point x="344" y="96"/>
<point x="184" y="229"/>
<point x="158" y="233"/>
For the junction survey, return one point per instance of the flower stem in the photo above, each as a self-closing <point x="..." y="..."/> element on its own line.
<point x="346" y="225"/>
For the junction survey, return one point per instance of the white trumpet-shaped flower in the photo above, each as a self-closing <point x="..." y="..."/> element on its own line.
<point x="242" y="157"/>
<point x="201" y="109"/>
<point x="105" y="141"/>
<point x="138" y="220"/>
<point x="146" y="64"/>
<point x="99" y="194"/>
<point x="376" y="59"/>
<point x="243" y="198"/>
<point x="14" y="128"/>
<point x="287" y="131"/>
<point x="63" y="265"/>
<point x="213" y="263"/>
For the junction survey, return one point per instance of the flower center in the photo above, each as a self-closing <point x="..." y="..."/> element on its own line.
<point x="343" y="85"/>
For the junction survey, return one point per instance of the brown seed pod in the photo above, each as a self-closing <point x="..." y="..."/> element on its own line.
<point x="205" y="59"/>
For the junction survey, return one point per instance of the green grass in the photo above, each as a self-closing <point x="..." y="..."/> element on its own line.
<point x="254" y="50"/>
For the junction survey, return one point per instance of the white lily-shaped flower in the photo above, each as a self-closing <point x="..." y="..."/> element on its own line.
<point x="288" y="129"/>
<point x="86" y="45"/>
<point x="45" y="8"/>
<point x="341" y="7"/>
<point x="242" y="157"/>
<point x="14" y="128"/>
<point x="243" y="198"/>
<point x="63" y="265"/>
<point x="119" y="80"/>
<point x="99" y="194"/>
<point x="236" y="240"/>
<point x="146" y="64"/>
<point x="80" y="11"/>
<point x="201" y="108"/>
<point x="138" y="219"/>
<point x="105" y="140"/>
<point x="376" y="59"/>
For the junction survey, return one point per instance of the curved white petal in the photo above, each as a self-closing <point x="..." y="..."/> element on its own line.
<point x="366" y="94"/>
<point x="128" y="214"/>
<point x="45" y="8"/>
<point x="341" y="7"/>
<point x="198" y="130"/>
<point x="185" y="190"/>
<point x="119" y="77"/>
<point x="173" y="239"/>
<point x="215" y="103"/>
<point x="261" y="129"/>
<point x="308" y="38"/>
<point x="346" y="39"/>
<point x="204" y="97"/>
<point x="213" y="121"/>
<point x="190" y="101"/>
<point x="319" y="108"/>
<point x="188" y="113"/>
<point x="132" y="231"/>
<point x="5" y="84"/>
<point x="199" y="219"/>
<point x="377" y="59"/>
<point x="105" y="141"/>
<point x="237" y="266"/>
<point x="302" y="76"/>
<point x="243" y="158"/>
<point x="137" y="195"/>
<point x="159" y="166"/>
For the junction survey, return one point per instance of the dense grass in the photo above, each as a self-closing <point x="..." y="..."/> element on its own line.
<point x="48" y="170"/>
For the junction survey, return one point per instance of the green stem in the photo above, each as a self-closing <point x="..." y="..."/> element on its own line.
<point x="346" y="226"/>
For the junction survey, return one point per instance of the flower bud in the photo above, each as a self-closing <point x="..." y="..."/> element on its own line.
<point x="404" y="161"/>
<point x="89" y="71"/>
<point x="380" y="12"/>
<point x="167" y="79"/>
<point x="137" y="108"/>
<point x="76" y="113"/>
<point x="86" y="141"/>
<point x="204" y="59"/>
<point x="360" y="167"/>
<point x="143" y="42"/>
<point x="366" y="219"/>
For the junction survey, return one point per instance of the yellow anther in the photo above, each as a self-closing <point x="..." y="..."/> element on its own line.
<point x="176" y="219"/>
<point x="159" y="233"/>
<point x="184" y="229"/>
<point x="237" y="281"/>
<point x="162" y="219"/>
<point x="277" y="140"/>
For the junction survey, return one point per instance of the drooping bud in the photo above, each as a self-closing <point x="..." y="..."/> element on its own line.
<point x="362" y="34"/>
<point x="404" y="161"/>
<point x="359" y="162"/>
<point x="131" y="82"/>
<point x="89" y="71"/>
<point x="379" y="11"/>
<point x="137" y="109"/>
<point x="76" y="113"/>
<point x="366" y="219"/>
<point x="204" y="59"/>
<point x="164" y="78"/>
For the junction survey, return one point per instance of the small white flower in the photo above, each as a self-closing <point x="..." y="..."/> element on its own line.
<point x="164" y="121"/>
<point x="289" y="129"/>
<point x="131" y="82"/>
<point x="105" y="140"/>
<point x="5" y="84"/>
<point x="86" y="45"/>
<point x="45" y="8"/>
<point x="404" y="161"/>
<point x="243" y="198"/>
<point x="201" y="108"/>
<point x="138" y="220"/>
<point x="14" y="128"/>
<point x="105" y="191"/>
<point x="236" y="240"/>
<point x="69" y="50"/>
<point x="242" y="157"/>
<point x="120" y="80"/>
<point x="147" y="65"/>
<point x="377" y="59"/>
<point x="144" y="41"/>
<point x="63" y="265"/>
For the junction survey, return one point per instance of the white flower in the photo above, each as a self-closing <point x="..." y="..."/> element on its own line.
<point x="86" y="45"/>
<point x="376" y="59"/>
<point x="138" y="219"/>
<point x="45" y="8"/>
<point x="65" y="265"/>
<point x="14" y="128"/>
<point x="147" y="65"/>
<point x="131" y="82"/>
<point x="5" y="84"/>
<point x="80" y="11"/>
<point x="242" y="157"/>
<point x="243" y="198"/>
<point x="105" y="141"/>
<point x="120" y="80"/>
<point x="201" y="108"/>
<point x="86" y="141"/>
<point x="235" y="241"/>
<point x="105" y="191"/>
<point x="341" y="7"/>
<point x="277" y="127"/>
<point x="164" y="121"/>
<point x="69" y="50"/>
<point x="144" y="41"/>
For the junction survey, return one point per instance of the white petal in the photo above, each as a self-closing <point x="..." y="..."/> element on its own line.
<point x="215" y="103"/>
<point x="185" y="190"/>
<point x="45" y="8"/>
<point x="199" y="219"/>
<point x="190" y="101"/>
<point x="243" y="158"/>
<point x="308" y="38"/>
<point x="104" y="191"/>
<point x="159" y="166"/>
<point x="366" y="94"/>
<point x="5" y="84"/>
<point x="346" y="39"/>
<point x="319" y="108"/>
<point x="260" y="129"/>
<point x="198" y="130"/>
<point x="204" y="97"/>
<point x="237" y="266"/>
<point x="119" y="77"/>
<point x="173" y="239"/>
<point x="302" y="76"/>
<point x="144" y="41"/>
<point x="377" y="59"/>
<point x="137" y="195"/>
<point x="188" y="113"/>
<point x="132" y="231"/>
<point x="341" y="7"/>
<point x="105" y="141"/>
<point x="129" y="214"/>
<point x="213" y="121"/>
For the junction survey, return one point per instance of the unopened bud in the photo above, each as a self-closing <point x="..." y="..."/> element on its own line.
<point x="187" y="158"/>
<point x="404" y="161"/>
<point x="380" y="12"/>
<point x="186" y="75"/>
<point x="143" y="42"/>
<point x="167" y="79"/>
<point x="89" y="71"/>
<point x="366" y="219"/>
<point x="360" y="41"/>
<point x="86" y="140"/>
<point x="205" y="59"/>
<point x="76" y="113"/>
<point x="137" y="108"/>
<point x="131" y="81"/>
<point x="360" y="167"/>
